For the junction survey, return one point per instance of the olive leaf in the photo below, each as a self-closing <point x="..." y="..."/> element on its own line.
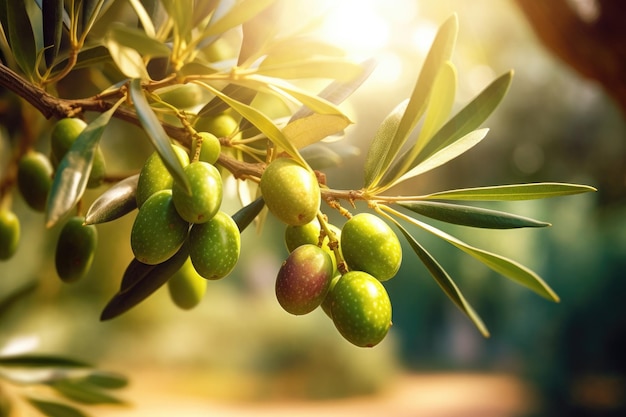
<point x="462" y="127"/>
<point x="19" y="33"/>
<point x="144" y="18"/>
<point x="500" y="264"/>
<point x="313" y="128"/>
<point x="156" y="133"/>
<point x="512" y="192"/>
<point x="137" y="39"/>
<point x="441" y="157"/>
<point x="140" y="281"/>
<point x="339" y="69"/>
<point x="337" y="91"/>
<point x="260" y="121"/>
<point x="55" y="409"/>
<point x="70" y="179"/>
<point x="384" y="148"/>
<point x="106" y="379"/>
<point x="444" y="280"/>
<point x="115" y="202"/>
<point x="244" y="216"/>
<point x="127" y="59"/>
<point x="39" y="360"/>
<point x="470" y="216"/>
<point x="52" y="16"/>
<point x="80" y="390"/>
<point x="91" y="10"/>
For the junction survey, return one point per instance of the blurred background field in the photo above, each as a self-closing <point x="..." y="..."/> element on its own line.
<point x="238" y="353"/>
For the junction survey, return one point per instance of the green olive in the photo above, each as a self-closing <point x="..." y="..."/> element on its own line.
<point x="186" y="287"/>
<point x="368" y="244"/>
<point x="303" y="279"/>
<point x="206" y="193"/>
<point x="75" y="250"/>
<point x="158" y="231"/>
<point x="154" y="176"/>
<point x="210" y="147"/>
<point x="361" y="309"/>
<point x="290" y="191"/>
<point x="214" y="246"/>
<point x="34" y="179"/>
<point x="9" y="234"/>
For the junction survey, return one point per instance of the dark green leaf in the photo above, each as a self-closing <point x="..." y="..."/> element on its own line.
<point x="512" y="192"/>
<point x="52" y="13"/>
<point x="140" y="282"/>
<point x="114" y="203"/>
<point x="470" y="216"/>
<point x="157" y="135"/>
<point x="82" y="391"/>
<point x="384" y="148"/>
<point x="244" y="216"/>
<point x="70" y="179"/>
<point x="33" y="360"/>
<point x="506" y="267"/>
<point x="91" y="9"/>
<point x="55" y="409"/>
<point x="444" y="280"/>
<point x="105" y="379"/>
<point x="138" y="40"/>
<point x="20" y="36"/>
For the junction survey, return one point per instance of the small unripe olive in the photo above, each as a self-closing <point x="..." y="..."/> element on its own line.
<point x="205" y="199"/>
<point x="221" y="125"/>
<point x="75" y="249"/>
<point x="209" y="149"/>
<point x="214" y="246"/>
<point x="368" y="244"/>
<point x="9" y="234"/>
<point x="290" y="191"/>
<point x="361" y="309"/>
<point x="158" y="231"/>
<point x="34" y="179"/>
<point x="154" y="176"/>
<point x="303" y="279"/>
<point x="182" y="96"/>
<point x="186" y="287"/>
<point x="309" y="234"/>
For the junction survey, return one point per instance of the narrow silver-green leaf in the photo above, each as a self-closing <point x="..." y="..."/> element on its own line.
<point x="383" y="152"/>
<point x="445" y="281"/>
<point x="52" y="15"/>
<point x="261" y="122"/>
<point x="114" y="203"/>
<point x="502" y="265"/>
<point x="82" y="391"/>
<point x="382" y="139"/>
<point x="72" y="175"/>
<point x="470" y="117"/>
<point x="152" y="126"/>
<point x="55" y="409"/>
<point x="443" y="156"/>
<point x="512" y="192"/>
<point x="471" y="216"/>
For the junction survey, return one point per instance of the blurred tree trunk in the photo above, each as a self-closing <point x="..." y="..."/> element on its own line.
<point x="589" y="35"/>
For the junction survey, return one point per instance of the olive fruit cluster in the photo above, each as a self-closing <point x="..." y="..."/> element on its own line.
<point x="354" y="299"/>
<point x="168" y="217"/>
